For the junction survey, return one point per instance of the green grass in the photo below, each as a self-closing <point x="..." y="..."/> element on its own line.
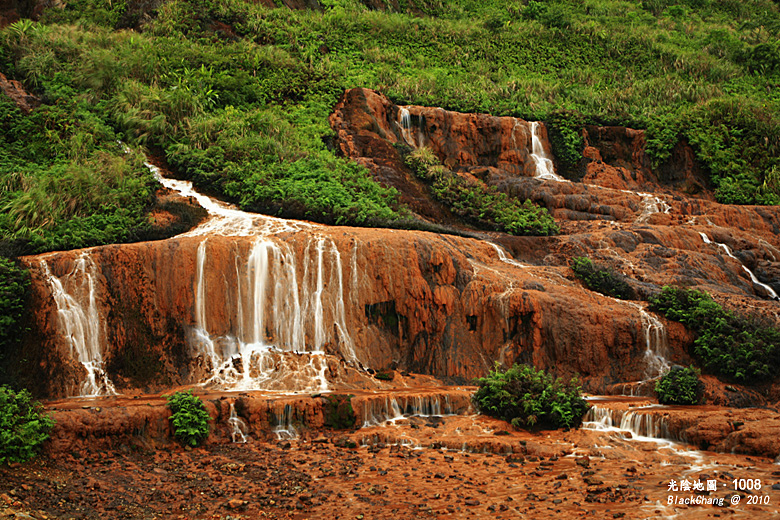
<point x="481" y="205"/>
<point x="236" y="97"/>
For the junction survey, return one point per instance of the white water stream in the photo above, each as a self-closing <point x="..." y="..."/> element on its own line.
<point x="544" y="164"/>
<point x="772" y="294"/>
<point x="656" y="343"/>
<point x="405" y="123"/>
<point x="80" y="323"/>
<point x="289" y="305"/>
<point x="651" y="204"/>
<point x="390" y="409"/>
<point x="238" y="428"/>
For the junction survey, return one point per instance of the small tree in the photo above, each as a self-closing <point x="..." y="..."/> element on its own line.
<point x="525" y="396"/>
<point x="190" y="419"/>
<point x="23" y="426"/>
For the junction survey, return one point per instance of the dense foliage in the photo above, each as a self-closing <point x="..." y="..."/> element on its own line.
<point x="189" y="419"/>
<point x="14" y="283"/>
<point x="236" y="97"/>
<point x="525" y="397"/>
<point x="482" y="205"/>
<point x="742" y="348"/>
<point x="601" y="279"/>
<point x="23" y="426"/>
<point x="680" y="386"/>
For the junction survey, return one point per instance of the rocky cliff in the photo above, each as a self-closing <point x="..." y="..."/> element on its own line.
<point x="290" y="305"/>
<point x="411" y="300"/>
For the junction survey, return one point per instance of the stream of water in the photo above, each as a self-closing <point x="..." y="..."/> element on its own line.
<point x="80" y="323"/>
<point x="723" y="247"/>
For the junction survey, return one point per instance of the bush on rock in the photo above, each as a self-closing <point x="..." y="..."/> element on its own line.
<point x="525" y="396"/>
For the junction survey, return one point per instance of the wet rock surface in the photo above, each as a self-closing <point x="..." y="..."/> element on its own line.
<point x="418" y="467"/>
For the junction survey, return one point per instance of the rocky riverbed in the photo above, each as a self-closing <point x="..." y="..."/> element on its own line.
<point x="459" y="466"/>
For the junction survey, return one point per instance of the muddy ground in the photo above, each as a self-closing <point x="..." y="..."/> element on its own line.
<point x="395" y="471"/>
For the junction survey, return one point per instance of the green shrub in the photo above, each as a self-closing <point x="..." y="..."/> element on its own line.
<point x="23" y="426"/>
<point x="482" y="205"/>
<point x="14" y="282"/>
<point x="525" y="396"/>
<point x="602" y="279"/>
<point x="680" y="386"/>
<point x="744" y="349"/>
<point x="565" y="133"/>
<point x="190" y="419"/>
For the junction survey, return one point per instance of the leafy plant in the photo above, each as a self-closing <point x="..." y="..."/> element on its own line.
<point x="741" y="348"/>
<point x="23" y="426"/>
<point x="525" y="396"/>
<point x="680" y="386"/>
<point x="189" y="419"/>
<point x="482" y="205"/>
<point x="14" y="282"/>
<point x="601" y="279"/>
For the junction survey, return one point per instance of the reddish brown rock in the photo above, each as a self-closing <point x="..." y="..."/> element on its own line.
<point x="15" y="90"/>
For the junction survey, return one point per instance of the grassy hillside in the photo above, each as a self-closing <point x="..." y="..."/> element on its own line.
<point x="236" y="97"/>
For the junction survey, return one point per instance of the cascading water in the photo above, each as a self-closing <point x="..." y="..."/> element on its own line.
<point x="405" y="122"/>
<point x="289" y="306"/>
<point x="640" y="422"/>
<point x="238" y="428"/>
<point x="504" y="257"/>
<point x="651" y="205"/>
<point x="282" y="422"/>
<point x="544" y="165"/>
<point x="79" y="321"/>
<point x="772" y="294"/>
<point x="656" y="344"/>
<point x="284" y="321"/>
<point x="375" y="411"/>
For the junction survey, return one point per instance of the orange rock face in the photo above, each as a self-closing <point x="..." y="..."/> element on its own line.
<point x="322" y="303"/>
<point x="411" y="300"/>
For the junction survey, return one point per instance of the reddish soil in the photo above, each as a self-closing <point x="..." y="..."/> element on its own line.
<point x="464" y="466"/>
<point x="555" y="475"/>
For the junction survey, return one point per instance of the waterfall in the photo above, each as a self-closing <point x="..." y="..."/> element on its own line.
<point x="544" y="164"/>
<point x="650" y="205"/>
<point x="383" y="409"/>
<point x="289" y="306"/>
<point x="504" y="257"/>
<point x="284" y="321"/>
<point x="656" y="344"/>
<point x="282" y="423"/>
<point x="772" y="294"/>
<point x="238" y="428"/>
<point x="79" y="321"/>
<point x="380" y="411"/>
<point x="642" y="424"/>
<point x="405" y="122"/>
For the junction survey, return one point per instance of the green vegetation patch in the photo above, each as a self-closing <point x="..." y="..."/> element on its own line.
<point x="23" y="426"/>
<point x="602" y="279"/>
<point x="527" y="397"/>
<point x="236" y="96"/>
<point x="740" y="348"/>
<point x="680" y="386"/>
<point x="482" y="205"/>
<point x="190" y="420"/>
